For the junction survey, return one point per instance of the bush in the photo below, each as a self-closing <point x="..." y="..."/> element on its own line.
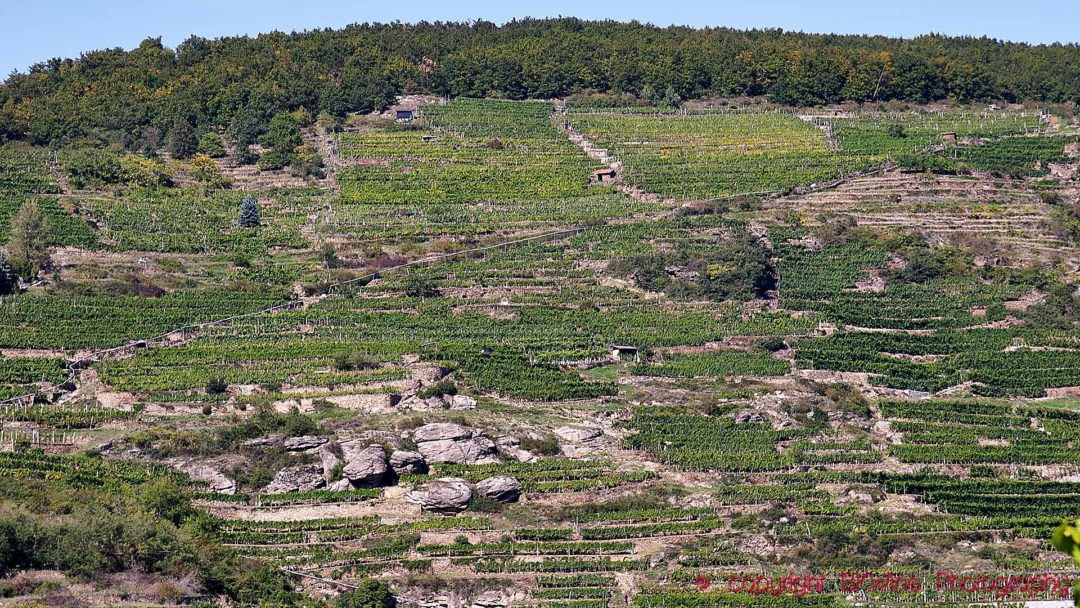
<point x="370" y="594"/>
<point x="212" y="145"/>
<point x="354" y="360"/>
<point x="417" y="285"/>
<point x="439" y="389"/>
<point x="216" y="386"/>
<point x="548" y="445"/>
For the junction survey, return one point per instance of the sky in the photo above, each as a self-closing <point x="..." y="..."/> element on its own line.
<point x="36" y="30"/>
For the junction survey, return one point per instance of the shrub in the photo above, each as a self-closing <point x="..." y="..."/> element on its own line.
<point x="370" y="594"/>
<point x="212" y="145"/>
<point x="354" y="360"/>
<point x="419" y="286"/>
<point x="548" y="445"/>
<point x="439" y="389"/>
<point x="216" y="386"/>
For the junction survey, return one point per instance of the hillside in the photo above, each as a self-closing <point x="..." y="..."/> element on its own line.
<point x="573" y="353"/>
<point x="136" y="98"/>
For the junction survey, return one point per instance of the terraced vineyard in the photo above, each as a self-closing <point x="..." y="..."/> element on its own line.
<point x="721" y="153"/>
<point x="463" y="365"/>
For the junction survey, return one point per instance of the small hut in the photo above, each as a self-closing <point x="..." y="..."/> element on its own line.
<point x="601" y="176"/>
<point x="403" y="116"/>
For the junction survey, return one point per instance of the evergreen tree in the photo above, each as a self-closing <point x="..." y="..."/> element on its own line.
<point x="181" y="139"/>
<point x="249" y="213"/>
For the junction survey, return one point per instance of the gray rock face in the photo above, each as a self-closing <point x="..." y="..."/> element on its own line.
<point x="477" y="450"/>
<point x="408" y="463"/>
<point x="299" y="478"/>
<point x="365" y="467"/>
<point x="744" y="416"/>
<point x="445" y="496"/>
<point x="501" y="488"/>
<point x="441" y="431"/>
<point x="511" y="446"/>
<point x="577" y="434"/>
<point x="448" y="443"/>
<point x="462" y="402"/>
<point x="330" y="461"/>
<point x="340" y="485"/>
<point x="490" y="599"/>
<point x="305" y="442"/>
<point x="216" y="480"/>
<point x="265" y="440"/>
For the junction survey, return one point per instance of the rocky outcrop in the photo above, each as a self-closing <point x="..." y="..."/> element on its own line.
<point x="501" y="488"/>
<point x="441" y="431"/>
<point x="330" y="461"/>
<point x="581" y="441"/>
<point x="511" y="446"/>
<point x="445" y="496"/>
<point x="461" y="402"/>
<point x="491" y="599"/>
<point x="340" y="485"/>
<point x="299" y="478"/>
<point x="449" y="443"/>
<point x="215" y="480"/>
<point x="264" y="441"/>
<point x="578" y="434"/>
<point x="364" y="466"/>
<point x="405" y="462"/>
<point x="305" y="442"/>
<point x="477" y="450"/>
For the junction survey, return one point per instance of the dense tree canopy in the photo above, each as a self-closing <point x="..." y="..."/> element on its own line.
<point x="238" y="84"/>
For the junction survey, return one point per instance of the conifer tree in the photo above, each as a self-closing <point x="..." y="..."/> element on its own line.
<point x="249" y="213"/>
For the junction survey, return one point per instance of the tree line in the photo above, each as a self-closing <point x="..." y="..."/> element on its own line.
<point x="152" y="94"/>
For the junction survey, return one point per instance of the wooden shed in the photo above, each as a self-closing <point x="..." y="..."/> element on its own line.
<point x="403" y="115"/>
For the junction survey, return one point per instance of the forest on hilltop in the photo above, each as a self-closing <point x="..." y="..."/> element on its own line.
<point x="239" y="83"/>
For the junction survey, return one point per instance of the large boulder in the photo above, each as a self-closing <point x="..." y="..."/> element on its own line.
<point x="340" y="485"/>
<point x="305" y="442"/>
<point x="441" y="431"/>
<point x="405" y="462"/>
<point x="364" y="467"/>
<point x="299" y="478"/>
<point x="445" y="496"/>
<point x="476" y="450"/>
<point x="501" y="488"/>
<point x="462" y="402"/>
<point x="330" y="461"/>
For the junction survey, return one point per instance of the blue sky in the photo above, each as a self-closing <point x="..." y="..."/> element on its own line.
<point x="35" y="30"/>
